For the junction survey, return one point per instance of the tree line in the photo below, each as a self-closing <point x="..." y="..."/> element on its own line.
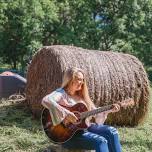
<point x="113" y="25"/>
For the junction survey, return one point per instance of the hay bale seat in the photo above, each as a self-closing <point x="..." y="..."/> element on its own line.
<point x="111" y="77"/>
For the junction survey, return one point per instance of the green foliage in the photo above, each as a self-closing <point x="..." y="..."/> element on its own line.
<point x="123" y="26"/>
<point x="134" y="30"/>
<point x="149" y="72"/>
<point x="22" y="28"/>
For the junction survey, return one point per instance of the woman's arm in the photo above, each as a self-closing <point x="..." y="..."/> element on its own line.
<point x="51" y="101"/>
<point x="115" y="108"/>
<point x="58" y="113"/>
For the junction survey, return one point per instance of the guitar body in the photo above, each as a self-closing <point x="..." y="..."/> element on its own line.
<point x="61" y="133"/>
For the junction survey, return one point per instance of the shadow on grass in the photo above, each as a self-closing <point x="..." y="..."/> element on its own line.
<point x="19" y="115"/>
<point x="19" y="129"/>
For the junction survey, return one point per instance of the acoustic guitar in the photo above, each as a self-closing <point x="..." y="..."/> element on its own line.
<point x="61" y="133"/>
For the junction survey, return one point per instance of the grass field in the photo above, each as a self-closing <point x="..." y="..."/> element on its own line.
<point x="19" y="132"/>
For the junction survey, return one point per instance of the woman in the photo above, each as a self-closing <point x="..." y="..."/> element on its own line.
<point x="99" y="137"/>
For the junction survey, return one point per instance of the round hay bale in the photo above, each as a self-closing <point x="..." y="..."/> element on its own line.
<point x="111" y="77"/>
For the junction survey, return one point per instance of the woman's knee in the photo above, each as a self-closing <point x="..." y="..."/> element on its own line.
<point x="111" y="130"/>
<point x="95" y="138"/>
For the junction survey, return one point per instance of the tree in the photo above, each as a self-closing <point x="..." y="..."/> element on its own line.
<point x="119" y="25"/>
<point x="22" y="28"/>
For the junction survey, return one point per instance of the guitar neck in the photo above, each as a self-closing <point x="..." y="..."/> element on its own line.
<point x="95" y="111"/>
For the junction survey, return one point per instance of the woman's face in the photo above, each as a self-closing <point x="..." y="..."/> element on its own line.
<point x="78" y="81"/>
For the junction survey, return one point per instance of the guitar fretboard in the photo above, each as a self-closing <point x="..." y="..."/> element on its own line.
<point x="96" y="111"/>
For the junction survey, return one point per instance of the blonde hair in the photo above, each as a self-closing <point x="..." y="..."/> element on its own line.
<point x="69" y="76"/>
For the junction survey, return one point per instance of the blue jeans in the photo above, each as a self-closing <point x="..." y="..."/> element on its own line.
<point x="102" y="138"/>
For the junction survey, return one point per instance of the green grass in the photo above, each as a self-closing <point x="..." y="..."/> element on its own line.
<point x="19" y="132"/>
<point x="138" y="139"/>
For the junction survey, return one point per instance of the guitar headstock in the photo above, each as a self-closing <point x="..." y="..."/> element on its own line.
<point x="127" y="102"/>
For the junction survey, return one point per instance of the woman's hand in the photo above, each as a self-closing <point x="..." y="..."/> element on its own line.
<point x="70" y="118"/>
<point x="115" y="108"/>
